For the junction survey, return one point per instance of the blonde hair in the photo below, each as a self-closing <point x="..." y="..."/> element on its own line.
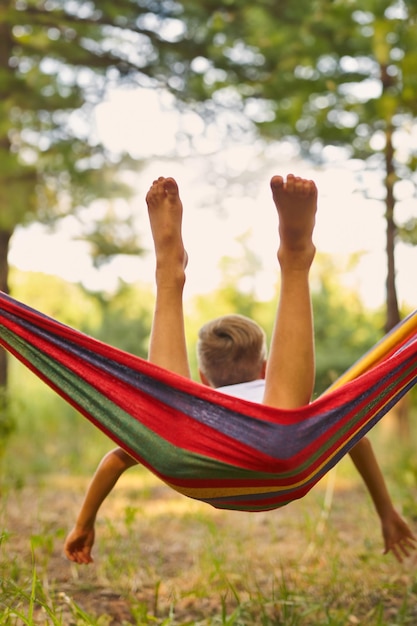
<point x="231" y="349"/>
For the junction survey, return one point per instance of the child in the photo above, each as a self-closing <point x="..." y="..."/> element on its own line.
<point x="285" y="380"/>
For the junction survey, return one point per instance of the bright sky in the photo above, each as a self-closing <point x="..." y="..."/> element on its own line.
<point x="346" y="222"/>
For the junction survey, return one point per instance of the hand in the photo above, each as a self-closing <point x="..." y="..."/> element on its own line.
<point x="78" y="545"/>
<point x="398" y="537"/>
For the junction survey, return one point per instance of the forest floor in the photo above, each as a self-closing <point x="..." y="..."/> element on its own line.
<point x="161" y="558"/>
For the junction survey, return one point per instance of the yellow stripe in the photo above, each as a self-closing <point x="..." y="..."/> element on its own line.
<point x="378" y="352"/>
<point x="202" y="493"/>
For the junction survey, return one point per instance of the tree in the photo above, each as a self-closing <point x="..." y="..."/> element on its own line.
<point x="344" y="330"/>
<point x="56" y="60"/>
<point x="327" y="72"/>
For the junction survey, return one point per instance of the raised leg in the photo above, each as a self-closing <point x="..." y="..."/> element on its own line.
<point x="167" y="346"/>
<point x="291" y="365"/>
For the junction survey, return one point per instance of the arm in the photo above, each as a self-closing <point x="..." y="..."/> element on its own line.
<point x="397" y="535"/>
<point x="79" y="543"/>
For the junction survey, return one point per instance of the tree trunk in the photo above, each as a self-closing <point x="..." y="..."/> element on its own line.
<point x="4" y="286"/>
<point x="400" y="413"/>
<point x="393" y="314"/>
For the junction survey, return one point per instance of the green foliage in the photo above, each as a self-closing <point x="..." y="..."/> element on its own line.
<point x="49" y="435"/>
<point x="110" y="237"/>
<point x="126" y="318"/>
<point x="7" y="421"/>
<point x="344" y="330"/>
<point x="56" y="61"/>
<point x="235" y="294"/>
<point x="65" y="302"/>
<point x="408" y="232"/>
<point x="123" y="320"/>
<point x="52" y="295"/>
<point x="313" y="61"/>
<point x="325" y="73"/>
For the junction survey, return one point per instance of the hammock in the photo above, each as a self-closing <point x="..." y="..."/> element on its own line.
<point x="228" y="452"/>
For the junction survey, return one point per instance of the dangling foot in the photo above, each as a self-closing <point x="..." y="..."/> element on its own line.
<point x="165" y="216"/>
<point x="296" y="202"/>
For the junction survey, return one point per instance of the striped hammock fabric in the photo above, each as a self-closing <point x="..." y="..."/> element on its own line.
<point x="225" y="451"/>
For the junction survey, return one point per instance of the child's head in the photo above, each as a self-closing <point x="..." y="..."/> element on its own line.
<point x="231" y="349"/>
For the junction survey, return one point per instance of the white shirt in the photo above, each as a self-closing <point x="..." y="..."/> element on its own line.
<point x="252" y="390"/>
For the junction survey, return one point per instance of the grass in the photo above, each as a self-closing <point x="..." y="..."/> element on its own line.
<point x="179" y="563"/>
<point x="161" y="559"/>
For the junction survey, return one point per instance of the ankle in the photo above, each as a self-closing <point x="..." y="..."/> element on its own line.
<point x="170" y="277"/>
<point x="296" y="259"/>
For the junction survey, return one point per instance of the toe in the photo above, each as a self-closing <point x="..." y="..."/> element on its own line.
<point x="171" y="186"/>
<point x="276" y="182"/>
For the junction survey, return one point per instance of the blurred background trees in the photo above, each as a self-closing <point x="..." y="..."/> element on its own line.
<point x="327" y="74"/>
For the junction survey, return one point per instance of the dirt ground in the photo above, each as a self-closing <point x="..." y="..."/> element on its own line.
<point x="160" y="551"/>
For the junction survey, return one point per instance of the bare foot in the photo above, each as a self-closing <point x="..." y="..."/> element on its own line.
<point x="296" y="202"/>
<point x="165" y="216"/>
